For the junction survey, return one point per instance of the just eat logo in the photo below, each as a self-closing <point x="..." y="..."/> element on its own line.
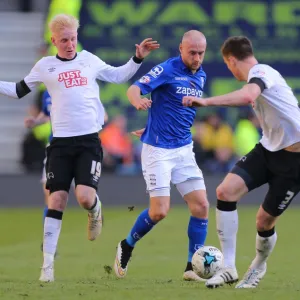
<point x="72" y="78"/>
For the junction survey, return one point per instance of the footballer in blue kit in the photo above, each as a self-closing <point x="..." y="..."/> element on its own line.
<point x="46" y="108"/>
<point x="169" y="122"/>
<point x="167" y="153"/>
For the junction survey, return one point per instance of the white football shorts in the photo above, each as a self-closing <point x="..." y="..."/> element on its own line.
<point x="161" y="166"/>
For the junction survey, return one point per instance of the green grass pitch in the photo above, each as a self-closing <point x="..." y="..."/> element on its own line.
<point x="155" y="272"/>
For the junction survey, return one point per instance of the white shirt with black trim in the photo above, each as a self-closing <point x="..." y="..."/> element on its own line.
<point x="76" y="107"/>
<point x="277" y="109"/>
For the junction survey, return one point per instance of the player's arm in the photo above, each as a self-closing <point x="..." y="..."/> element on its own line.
<point x="138" y="132"/>
<point x="105" y="116"/>
<point x="42" y="118"/>
<point x="244" y="96"/>
<point x="134" y="96"/>
<point x="156" y="77"/>
<point x="124" y="73"/>
<point x="20" y="89"/>
<point x="31" y="122"/>
<point x="13" y="89"/>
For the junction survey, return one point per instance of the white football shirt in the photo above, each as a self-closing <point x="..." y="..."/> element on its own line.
<point x="277" y="109"/>
<point x="76" y="107"/>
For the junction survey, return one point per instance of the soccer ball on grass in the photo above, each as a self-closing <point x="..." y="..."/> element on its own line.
<point x="206" y="261"/>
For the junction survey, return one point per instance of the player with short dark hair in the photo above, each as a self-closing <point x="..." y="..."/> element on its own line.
<point x="238" y="46"/>
<point x="274" y="160"/>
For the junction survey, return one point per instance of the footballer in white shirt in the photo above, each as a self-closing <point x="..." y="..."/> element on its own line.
<point x="274" y="160"/>
<point x="77" y="115"/>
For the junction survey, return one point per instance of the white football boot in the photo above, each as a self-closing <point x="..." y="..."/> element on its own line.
<point x="47" y="273"/>
<point x="252" y="278"/>
<point x="225" y="275"/>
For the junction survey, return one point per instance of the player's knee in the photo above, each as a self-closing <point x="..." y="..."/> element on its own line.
<point x="226" y="193"/>
<point x="264" y="221"/>
<point x="264" y="225"/>
<point x="85" y="196"/>
<point x="206" y="207"/>
<point x="85" y="200"/>
<point x="222" y="193"/>
<point x="159" y="204"/>
<point x="200" y="208"/>
<point x="157" y="215"/>
<point x="203" y="204"/>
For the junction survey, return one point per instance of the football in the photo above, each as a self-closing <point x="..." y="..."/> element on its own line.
<point x="206" y="261"/>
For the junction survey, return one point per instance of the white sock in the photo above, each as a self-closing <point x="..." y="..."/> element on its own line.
<point x="52" y="229"/>
<point x="96" y="208"/>
<point x="227" y="227"/>
<point x="264" y="247"/>
<point x="48" y="260"/>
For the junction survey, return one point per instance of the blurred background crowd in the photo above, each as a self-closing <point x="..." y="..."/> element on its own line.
<point x="110" y="29"/>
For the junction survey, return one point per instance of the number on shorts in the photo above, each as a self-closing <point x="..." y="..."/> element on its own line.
<point x="96" y="168"/>
<point x="287" y="199"/>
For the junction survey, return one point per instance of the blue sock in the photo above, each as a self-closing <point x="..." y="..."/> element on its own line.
<point x="45" y="213"/>
<point x="197" y="232"/>
<point x="143" y="225"/>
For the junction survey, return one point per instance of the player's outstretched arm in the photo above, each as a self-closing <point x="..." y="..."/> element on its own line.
<point x="25" y="86"/>
<point x="134" y="96"/>
<point x="245" y="96"/>
<point x="13" y="89"/>
<point x="143" y="49"/>
<point x="125" y="72"/>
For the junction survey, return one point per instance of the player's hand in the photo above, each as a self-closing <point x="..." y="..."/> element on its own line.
<point x="145" y="47"/>
<point x="30" y="122"/>
<point x="138" y="132"/>
<point x="192" y="101"/>
<point x="142" y="104"/>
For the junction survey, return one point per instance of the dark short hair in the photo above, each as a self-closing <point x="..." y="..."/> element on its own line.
<point x="238" y="46"/>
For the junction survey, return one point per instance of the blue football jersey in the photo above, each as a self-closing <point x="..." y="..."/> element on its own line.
<point x="169" y="122"/>
<point x="46" y="107"/>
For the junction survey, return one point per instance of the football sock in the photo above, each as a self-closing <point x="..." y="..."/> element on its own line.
<point x="52" y="229"/>
<point x="45" y="213"/>
<point x="265" y="243"/>
<point x="189" y="267"/>
<point x="95" y="206"/>
<point x="142" y="226"/>
<point x="197" y="232"/>
<point x="227" y="227"/>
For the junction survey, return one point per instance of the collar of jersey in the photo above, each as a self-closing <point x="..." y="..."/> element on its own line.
<point x="65" y="59"/>
<point x="185" y="68"/>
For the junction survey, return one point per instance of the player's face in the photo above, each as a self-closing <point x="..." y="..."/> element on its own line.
<point x="66" y="42"/>
<point x="232" y="65"/>
<point x="192" y="54"/>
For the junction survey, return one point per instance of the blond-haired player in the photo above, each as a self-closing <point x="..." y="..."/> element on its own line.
<point x="76" y="117"/>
